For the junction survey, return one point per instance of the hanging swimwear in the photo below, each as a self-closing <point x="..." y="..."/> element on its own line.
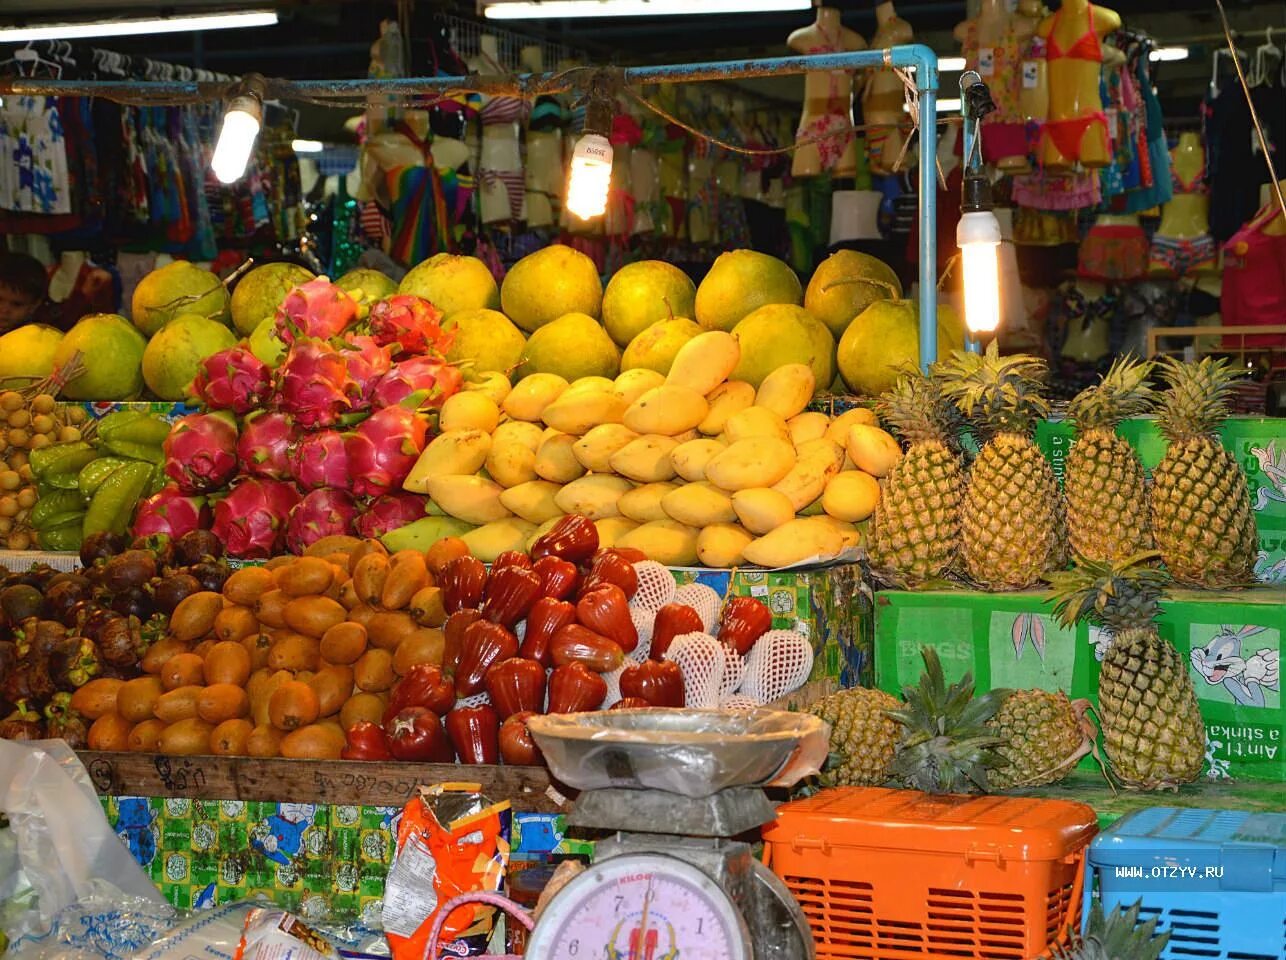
<point x="1004" y="130"/>
<point x="1254" y="276"/>
<point x="1067" y="135"/>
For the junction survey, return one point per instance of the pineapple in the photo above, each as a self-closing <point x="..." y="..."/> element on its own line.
<point x="863" y="736"/>
<point x="1152" y="727"/>
<point x="1201" y="512"/>
<point x="1009" y="516"/>
<point x="946" y="746"/>
<point x="1043" y="736"/>
<point x="916" y="530"/>
<point x="1107" y="498"/>
<point x="1117" y="936"/>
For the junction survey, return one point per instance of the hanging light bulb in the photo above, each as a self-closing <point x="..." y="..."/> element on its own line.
<point x="591" y="169"/>
<point x="978" y="236"/>
<point x="240" y="129"/>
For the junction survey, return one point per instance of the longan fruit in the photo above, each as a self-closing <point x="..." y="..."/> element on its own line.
<point x="10" y="400"/>
<point x="6" y="524"/>
<point x="19" y="438"/>
<point x="68" y="434"/>
<point x="43" y="403"/>
<point x="19" y="418"/>
<point x="9" y="506"/>
<point x="42" y="423"/>
<point x="26" y="473"/>
<point x="10" y="480"/>
<point x="27" y="498"/>
<point x="20" y="540"/>
<point x="18" y="459"/>
<point x="77" y="415"/>
<point x="39" y="441"/>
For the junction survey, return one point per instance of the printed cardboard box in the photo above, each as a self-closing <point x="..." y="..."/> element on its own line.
<point x="1232" y="642"/>
<point x="1258" y="443"/>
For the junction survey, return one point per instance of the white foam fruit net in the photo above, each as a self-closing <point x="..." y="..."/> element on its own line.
<point x="477" y="700"/>
<point x="656" y="586"/>
<point x="734" y="671"/>
<point x="701" y="658"/>
<point x="520" y="631"/>
<point x="644" y="621"/>
<point x="613" y="680"/>
<point x="778" y="663"/>
<point x="703" y="600"/>
<point x="738" y="703"/>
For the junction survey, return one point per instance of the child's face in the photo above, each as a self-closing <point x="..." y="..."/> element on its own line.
<point x="15" y="307"/>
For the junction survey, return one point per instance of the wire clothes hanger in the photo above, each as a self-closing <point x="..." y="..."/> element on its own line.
<point x="1266" y="62"/>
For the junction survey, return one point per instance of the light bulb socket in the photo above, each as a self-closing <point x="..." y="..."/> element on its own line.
<point x="248" y="95"/>
<point x="975" y="194"/>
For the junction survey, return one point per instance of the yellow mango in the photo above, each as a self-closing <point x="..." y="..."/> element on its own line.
<point x="851" y="496"/>
<point x="643" y="504"/>
<point x="556" y="459"/>
<point x="589" y="385"/>
<point x="725" y="400"/>
<point x="532" y="394"/>
<point x="632" y="384"/>
<point x="492" y="539"/>
<point x="755" y="422"/>
<point x="690" y="459"/>
<point x="849" y="532"/>
<point x="469" y="410"/>
<point x="762" y="510"/>
<point x="577" y="413"/>
<point x="807" y="426"/>
<point x="816" y="462"/>
<point x="493" y="383"/>
<point x="722" y="545"/>
<point x="459" y="452"/>
<point x="664" y="541"/>
<point x="511" y="463"/>
<point x="705" y="361"/>
<point x="873" y="450"/>
<point x="519" y="431"/>
<point x="787" y="390"/>
<point x="594" y="496"/>
<point x="595" y="449"/>
<point x="795" y="542"/>
<point x="645" y="459"/>
<point x="837" y="432"/>
<point x="698" y="504"/>
<point x="753" y="462"/>
<point x="611" y="529"/>
<point x="532" y="501"/>
<point x="667" y="410"/>
<point x="471" y="499"/>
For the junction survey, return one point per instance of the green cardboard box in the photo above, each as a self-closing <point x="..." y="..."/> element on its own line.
<point x="1259" y="444"/>
<point x="1232" y="640"/>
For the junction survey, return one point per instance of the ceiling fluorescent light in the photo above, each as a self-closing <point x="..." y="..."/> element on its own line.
<point x="129" y="28"/>
<point x="307" y="146"/>
<point x="1169" y="53"/>
<point x="951" y="64"/>
<point x="538" y="9"/>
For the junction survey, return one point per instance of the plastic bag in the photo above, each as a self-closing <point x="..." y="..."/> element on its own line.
<point x="61" y="849"/>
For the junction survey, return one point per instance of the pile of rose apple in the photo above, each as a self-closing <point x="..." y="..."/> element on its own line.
<point x="569" y="628"/>
<point x="320" y="445"/>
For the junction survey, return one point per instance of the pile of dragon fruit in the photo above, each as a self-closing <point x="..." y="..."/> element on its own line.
<point x="319" y="445"/>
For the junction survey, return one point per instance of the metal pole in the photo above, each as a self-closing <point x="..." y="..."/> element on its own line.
<point x="916" y="56"/>
<point x="968" y="145"/>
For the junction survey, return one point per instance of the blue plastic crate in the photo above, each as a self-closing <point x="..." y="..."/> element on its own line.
<point x="1216" y="878"/>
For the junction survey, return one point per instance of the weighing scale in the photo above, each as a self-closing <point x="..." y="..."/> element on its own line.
<point x="676" y="787"/>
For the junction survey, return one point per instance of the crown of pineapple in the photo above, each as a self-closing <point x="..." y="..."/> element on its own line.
<point x="947" y="746"/>
<point x="1116" y="936"/>
<point x="997" y="394"/>
<point x="918" y="411"/>
<point x="1197" y="399"/>
<point x="1119" y="597"/>
<point x="1123" y="392"/>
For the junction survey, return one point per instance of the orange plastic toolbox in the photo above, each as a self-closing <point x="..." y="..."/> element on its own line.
<point x="896" y="873"/>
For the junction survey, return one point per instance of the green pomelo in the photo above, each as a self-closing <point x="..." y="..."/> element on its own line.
<point x="488" y="338"/>
<point x="656" y="346"/>
<point x="173" y="357"/>
<point x="740" y="282"/>
<point x="366" y="287"/>
<point x="548" y="284"/>
<point x="112" y="353"/>
<point x="453" y="283"/>
<point x="28" y="351"/>
<point x="885" y="339"/>
<point x="259" y="293"/>
<point x="781" y="333"/>
<point x="266" y="345"/>
<point x="573" y="346"/>
<point x="641" y="294"/>
<point x="845" y="284"/>
<point x="178" y="288"/>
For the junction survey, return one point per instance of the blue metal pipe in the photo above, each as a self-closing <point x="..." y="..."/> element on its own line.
<point x="916" y="56"/>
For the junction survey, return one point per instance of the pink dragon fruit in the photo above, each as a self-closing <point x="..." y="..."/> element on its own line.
<point x="367" y="363"/>
<point x="317" y="308"/>
<point x="251" y="519"/>
<point x="322" y="513"/>
<point x="314" y="384"/>
<point x="384" y="448"/>
<point x="433" y="380"/>
<point x="172" y="513"/>
<point x="233" y="379"/>
<point x="263" y="449"/>
<point x="389" y="512"/>
<point x="411" y="323"/>
<point x="201" y="451"/>
<point x="320" y="460"/>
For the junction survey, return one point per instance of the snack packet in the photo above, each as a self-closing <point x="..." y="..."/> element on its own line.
<point x="451" y="840"/>
<point x="280" y="935"/>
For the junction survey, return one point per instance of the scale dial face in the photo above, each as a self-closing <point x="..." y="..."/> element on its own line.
<point x="645" y="906"/>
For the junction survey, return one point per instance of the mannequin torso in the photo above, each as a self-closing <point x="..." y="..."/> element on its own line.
<point x="500" y="175"/>
<point x="1075" y="129"/>
<point x="544" y="156"/>
<point x="1033" y="96"/>
<point x="828" y="98"/>
<point x="1187" y="214"/>
<point x="883" y="97"/>
<point x="990" y="44"/>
